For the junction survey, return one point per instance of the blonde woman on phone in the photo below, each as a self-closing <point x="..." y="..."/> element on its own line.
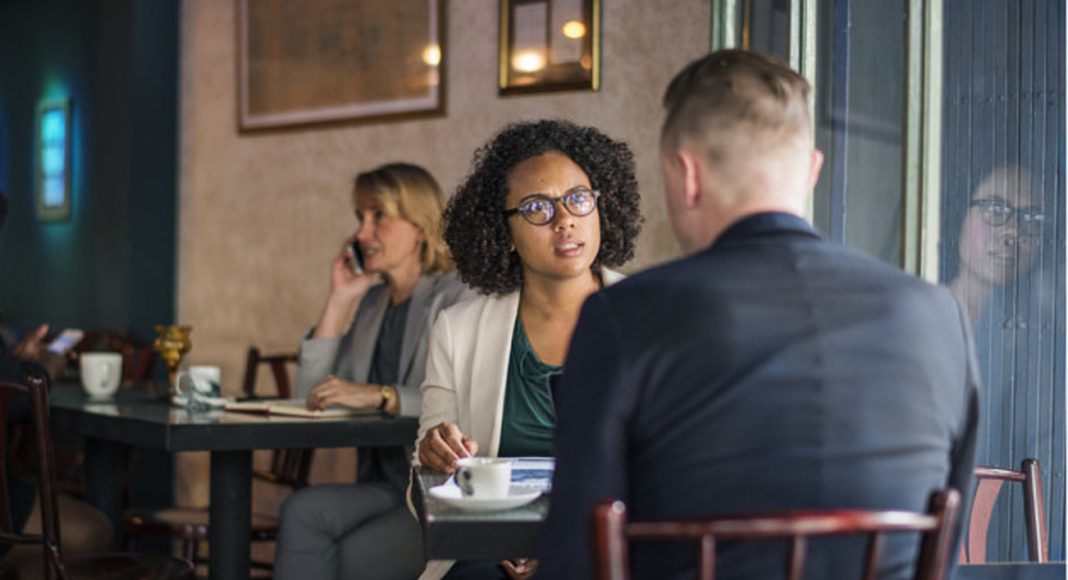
<point x="388" y="282"/>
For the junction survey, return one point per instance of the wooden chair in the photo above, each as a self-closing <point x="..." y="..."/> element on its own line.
<point x="289" y="467"/>
<point x="277" y="362"/>
<point x="54" y="565"/>
<point x="138" y="356"/>
<point x="612" y="532"/>
<point x="989" y="482"/>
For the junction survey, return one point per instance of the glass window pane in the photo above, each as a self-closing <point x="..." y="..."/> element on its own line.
<point x="860" y="125"/>
<point x="765" y="27"/>
<point x="1002" y="236"/>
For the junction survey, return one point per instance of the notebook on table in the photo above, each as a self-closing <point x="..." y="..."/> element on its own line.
<point x="294" y="408"/>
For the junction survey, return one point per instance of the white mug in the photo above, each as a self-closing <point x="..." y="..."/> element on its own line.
<point x="484" y="477"/>
<point x="209" y="373"/>
<point x="101" y="373"/>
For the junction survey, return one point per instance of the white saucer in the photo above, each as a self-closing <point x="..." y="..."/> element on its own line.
<point x="450" y="493"/>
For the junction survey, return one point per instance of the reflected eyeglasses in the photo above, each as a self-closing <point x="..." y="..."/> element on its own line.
<point x="996" y="212"/>
<point x="540" y="209"/>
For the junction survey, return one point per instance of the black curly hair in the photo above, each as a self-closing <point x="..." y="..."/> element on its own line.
<point x="477" y="232"/>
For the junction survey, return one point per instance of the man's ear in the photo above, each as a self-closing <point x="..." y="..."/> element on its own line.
<point x="692" y="186"/>
<point x="815" y="163"/>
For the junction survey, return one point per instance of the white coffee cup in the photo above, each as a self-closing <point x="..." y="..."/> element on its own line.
<point x="484" y="477"/>
<point x="209" y="373"/>
<point x="101" y="373"/>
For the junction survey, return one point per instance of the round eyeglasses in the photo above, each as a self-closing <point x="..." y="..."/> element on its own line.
<point x="540" y="209"/>
<point x="995" y="212"/>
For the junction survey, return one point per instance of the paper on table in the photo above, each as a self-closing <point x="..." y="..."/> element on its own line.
<point x="534" y="473"/>
<point x="294" y="408"/>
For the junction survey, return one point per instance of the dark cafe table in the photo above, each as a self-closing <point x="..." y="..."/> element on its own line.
<point x="136" y="418"/>
<point x="452" y="534"/>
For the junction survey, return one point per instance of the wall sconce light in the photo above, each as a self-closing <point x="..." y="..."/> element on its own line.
<point x="53" y="160"/>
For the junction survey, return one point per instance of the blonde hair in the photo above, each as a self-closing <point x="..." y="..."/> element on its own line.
<point x="734" y="103"/>
<point x="409" y="192"/>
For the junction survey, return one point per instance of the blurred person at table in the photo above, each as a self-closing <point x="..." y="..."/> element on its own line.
<point x="85" y="529"/>
<point x="768" y="370"/>
<point x="548" y="207"/>
<point x="368" y="351"/>
<point x="19" y="348"/>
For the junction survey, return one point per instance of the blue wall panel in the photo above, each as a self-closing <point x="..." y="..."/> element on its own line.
<point x="111" y="265"/>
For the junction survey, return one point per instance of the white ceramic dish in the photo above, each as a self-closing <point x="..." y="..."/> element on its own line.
<point x="450" y="493"/>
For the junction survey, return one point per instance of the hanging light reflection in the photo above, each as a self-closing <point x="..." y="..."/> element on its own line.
<point x="528" y="61"/>
<point x="574" y="29"/>
<point x="432" y="55"/>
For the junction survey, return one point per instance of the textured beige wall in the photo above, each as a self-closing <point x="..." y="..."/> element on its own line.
<point x="262" y="214"/>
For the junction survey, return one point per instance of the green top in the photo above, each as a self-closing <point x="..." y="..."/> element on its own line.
<point x="529" y="419"/>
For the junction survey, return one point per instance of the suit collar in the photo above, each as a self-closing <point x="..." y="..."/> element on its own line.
<point x="763" y="224"/>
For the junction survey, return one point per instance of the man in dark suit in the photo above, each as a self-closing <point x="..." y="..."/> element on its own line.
<point x="768" y="370"/>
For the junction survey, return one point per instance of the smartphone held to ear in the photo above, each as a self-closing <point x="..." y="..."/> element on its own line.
<point x="356" y="258"/>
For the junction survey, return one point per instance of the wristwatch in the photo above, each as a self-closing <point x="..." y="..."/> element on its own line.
<point x="387" y="396"/>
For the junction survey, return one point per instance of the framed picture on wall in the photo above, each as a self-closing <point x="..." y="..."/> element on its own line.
<point x="549" y="45"/>
<point x="339" y="60"/>
<point x="52" y="160"/>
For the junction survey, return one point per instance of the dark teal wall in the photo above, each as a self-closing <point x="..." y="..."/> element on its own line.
<point x="112" y="264"/>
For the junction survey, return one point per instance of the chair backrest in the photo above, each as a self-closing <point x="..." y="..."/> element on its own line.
<point x="612" y="533"/>
<point x="138" y="356"/>
<point x="988" y="485"/>
<point x="36" y="389"/>
<point x="277" y="363"/>
<point x="289" y="467"/>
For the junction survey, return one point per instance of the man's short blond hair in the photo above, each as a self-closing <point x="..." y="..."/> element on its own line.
<point x="734" y="104"/>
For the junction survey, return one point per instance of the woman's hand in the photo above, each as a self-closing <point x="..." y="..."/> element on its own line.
<point x="346" y="284"/>
<point x="347" y="288"/>
<point x="520" y="568"/>
<point x="334" y="391"/>
<point x="443" y="445"/>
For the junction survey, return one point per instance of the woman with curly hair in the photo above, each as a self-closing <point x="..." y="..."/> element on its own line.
<point x="548" y="207"/>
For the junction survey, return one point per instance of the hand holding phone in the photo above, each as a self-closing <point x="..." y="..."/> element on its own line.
<point x="356" y="258"/>
<point x="66" y="340"/>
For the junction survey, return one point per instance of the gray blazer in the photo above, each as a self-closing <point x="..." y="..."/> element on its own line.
<point x="349" y="357"/>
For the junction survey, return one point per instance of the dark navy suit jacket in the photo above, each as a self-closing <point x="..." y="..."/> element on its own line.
<point x="771" y="371"/>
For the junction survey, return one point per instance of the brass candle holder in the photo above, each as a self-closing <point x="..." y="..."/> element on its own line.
<point x="172" y="342"/>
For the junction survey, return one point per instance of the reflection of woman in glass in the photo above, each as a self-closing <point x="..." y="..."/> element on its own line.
<point x="998" y="266"/>
<point x="999" y="241"/>
<point x="999" y="238"/>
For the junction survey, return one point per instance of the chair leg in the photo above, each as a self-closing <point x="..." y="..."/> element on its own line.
<point x="189" y="550"/>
